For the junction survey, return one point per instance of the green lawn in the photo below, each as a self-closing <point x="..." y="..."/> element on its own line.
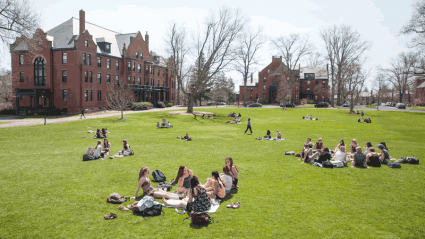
<point x="49" y="192"/>
<point x="416" y="107"/>
<point x="306" y="106"/>
<point x="370" y="106"/>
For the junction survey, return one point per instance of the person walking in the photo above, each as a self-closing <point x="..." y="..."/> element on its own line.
<point x="248" y="126"/>
<point x="82" y="114"/>
<point x="362" y="114"/>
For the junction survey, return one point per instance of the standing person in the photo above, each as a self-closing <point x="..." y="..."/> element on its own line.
<point x="82" y="114"/>
<point x="362" y="114"/>
<point x="248" y="126"/>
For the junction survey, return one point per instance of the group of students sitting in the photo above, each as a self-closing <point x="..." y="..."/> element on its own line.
<point x="354" y="112"/>
<point x="365" y="120"/>
<point x="209" y="116"/>
<point x="268" y="136"/>
<point x="164" y="124"/>
<point x="339" y="156"/>
<point x="103" y="149"/>
<point x="233" y="114"/>
<point x="186" y="137"/>
<point x="310" y="117"/>
<point x="190" y="193"/>
<point x="234" y="121"/>
<point x="99" y="134"/>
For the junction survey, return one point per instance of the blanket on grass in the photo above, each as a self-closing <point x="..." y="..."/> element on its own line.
<point x="215" y="204"/>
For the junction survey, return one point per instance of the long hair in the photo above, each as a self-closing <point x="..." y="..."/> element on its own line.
<point x="105" y="143"/>
<point x="142" y="172"/>
<point x="104" y="131"/>
<point x="217" y="177"/>
<point x="179" y="174"/>
<point x="372" y="149"/>
<point x="231" y="163"/>
<point x="124" y="143"/>
<point x="343" y="144"/>
<point x="368" y="144"/>
<point x="193" y="183"/>
<point x="383" y="143"/>
<point x="226" y="170"/>
<point x="268" y="132"/>
<point x="98" y="144"/>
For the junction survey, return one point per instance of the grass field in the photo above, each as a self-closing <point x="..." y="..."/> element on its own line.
<point x="416" y="107"/>
<point x="49" y="192"/>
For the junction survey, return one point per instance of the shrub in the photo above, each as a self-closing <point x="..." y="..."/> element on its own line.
<point x="141" y="106"/>
<point x="262" y="101"/>
<point x="160" y="105"/>
<point x="169" y="104"/>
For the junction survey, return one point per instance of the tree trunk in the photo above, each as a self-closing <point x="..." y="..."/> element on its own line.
<point x="190" y="105"/>
<point x="333" y="93"/>
<point x="401" y="98"/>
<point x="122" y="113"/>
<point x="244" y="91"/>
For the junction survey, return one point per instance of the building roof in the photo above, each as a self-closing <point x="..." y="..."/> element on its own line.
<point x="63" y="36"/>
<point x="319" y="72"/>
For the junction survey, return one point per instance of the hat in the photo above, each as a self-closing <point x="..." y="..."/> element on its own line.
<point x="381" y="146"/>
<point x="355" y="140"/>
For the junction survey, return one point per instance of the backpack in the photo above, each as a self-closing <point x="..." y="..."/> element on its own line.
<point x="200" y="219"/>
<point x="394" y="165"/>
<point x="338" y="164"/>
<point x="131" y="152"/>
<point x="90" y="151"/>
<point x="289" y="153"/>
<point x="165" y="185"/>
<point x="87" y="157"/>
<point x="412" y="160"/>
<point x="327" y="164"/>
<point x="158" y="176"/>
<point x="116" y="198"/>
<point x="155" y="210"/>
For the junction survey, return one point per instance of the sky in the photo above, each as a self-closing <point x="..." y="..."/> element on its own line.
<point x="377" y="21"/>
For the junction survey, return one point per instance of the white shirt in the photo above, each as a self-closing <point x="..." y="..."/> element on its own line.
<point x="340" y="156"/>
<point x="97" y="151"/>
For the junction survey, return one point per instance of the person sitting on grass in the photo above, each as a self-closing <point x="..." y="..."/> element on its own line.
<point x="145" y="183"/>
<point x="232" y="122"/>
<point x="227" y="179"/>
<point x="215" y="187"/>
<point x="269" y="135"/>
<point x="238" y="121"/>
<point x="183" y="179"/>
<point x="169" y="125"/>
<point x="196" y="201"/>
<point x="359" y="158"/>
<point x="186" y="137"/>
<point x="209" y="116"/>
<point x="106" y="146"/>
<point x="318" y="146"/>
<point x="203" y="116"/>
<point x="323" y="156"/>
<point x="367" y="147"/>
<point x="163" y="122"/>
<point x="239" y="115"/>
<point x="158" y="126"/>
<point x="385" y="156"/>
<point x="341" y="155"/>
<point x="341" y="143"/>
<point x="372" y="158"/>
<point x="98" y="135"/>
<point x="278" y="135"/>
<point x="214" y="116"/>
<point x="126" y="151"/>
<point x="98" y="150"/>
<point x="360" y="120"/>
<point x="307" y="117"/>
<point x="353" y="146"/>
<point x="104" y="131"/>
<point x="385" y="146"/>
<point x="311" y="117"/>
<point x="369" y="120"/>
<point x="306" y="153"/>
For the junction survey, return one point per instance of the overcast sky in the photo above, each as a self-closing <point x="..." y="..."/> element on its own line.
<point x="378" y="21"/>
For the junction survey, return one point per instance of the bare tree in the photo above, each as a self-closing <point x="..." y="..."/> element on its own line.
<point x="177" y="46"/>
<point x="401" y="71"/>
<point x="344" y="47"/>
<point x="316" y="60"/>
<point x="222" y="89"/>
<point x="380" y="86"/>
<point x="416" y="25"/>
<point x="17" y="18"/>
<point x="293" y="49"/>
<point x="249" y="42"/>
<point x="119" y="97"/>
<point x="355" y="81"/>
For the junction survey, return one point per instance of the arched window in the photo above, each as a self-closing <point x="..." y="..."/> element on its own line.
<point x="39" y="72"/>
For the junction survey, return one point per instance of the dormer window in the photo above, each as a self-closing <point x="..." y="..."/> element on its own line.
<point x="137" y="54"/>
<point x="103" y="45"/>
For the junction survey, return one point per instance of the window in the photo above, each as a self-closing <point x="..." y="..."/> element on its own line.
<point x="108" y="79"/>
<point x="287" y="78"/>
<point x="137" y="54"/>
<point x="21" y="76"/>
<point x="296" y="97"/>
<point x="308" y="82"/>
<point x="88" y="60"/>
<point x="252" y="88"/>
<point x="141" y="55"/>
<point x="129" y="66"/>
<point x="139" y="68"/>
<point x="91" y="95"/>
<point x="108" y="48"/>
<point x="21" y="60"/>
<point x="117" y="64"/>
<point x="22" y="97"/>
<point x="134" y="66"/>
<point x="86" y="43"/>
<point x="162" y="83"/>
<point x="315" y="90"/>
<point x="85" y="76"/>
<point x="99" y="95"/>
<point x="157" y="82"/>
<point x="264" y="95"/>
<point x="153" y="70"/>
<point x="308" y="89"/>
<point x="323" y="97"/>
<point x="64" y="76"/>
<point x="99" y="61"/>
<point x="64" y="58"/>
<point x="275" y="76"/>
<point x="129" y="79"/>
<point x="91" y="77"/>
<point x="134" y="80"/>
<point x="147" y="69"/>
<point x="99" y="78"/>
<point x="268" y="71"/>
<point x="139" y="81"/>
<point x="264" y="87"/>
<point x="264" y="79"/>
<point x="86" y="95"/>
<point x="323" y="89"/>
<point x="315" y="97"/>
<point x="256" y="96"/>
<point x="39" y="72"/>
<point x="84" y="58"/>
<point x="108" y="63"/>
<point x="163" y="72"/>
<point x="317" y="82"/>
<point x="64" y="95"/>
<point x="117" y="79"/>
<point x="158" y="71"/>
<point x="323" y="82"/>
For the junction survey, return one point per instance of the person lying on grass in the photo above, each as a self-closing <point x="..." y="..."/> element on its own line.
<point x="359" y="158"/>
<point x="232" y="122"/>
<point x="384" y="156"/>
<point x="341" y="155"/>
<point x="106" y="146"/>
<point x="215" y="187"/>
<point x="98" y="150"/>
<point x="372" y="158"/>
<point x="163" y="122"/>
<point x="268" y="135"/>
<point x="186" y="137"/>
<point x="214" y="116"/>
<point x="168" y="125"/>
<point x="145" y="183"/>
<point x="183" y="179"/>
<point x="233" y="170"/>
<point x="196" y="200"/>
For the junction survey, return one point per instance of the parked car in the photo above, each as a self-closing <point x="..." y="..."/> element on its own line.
<point x="375" y="104"/>
<point x="383" y="104"/>
<point x="255" y="105"/>
<point x="394" y="104"/>
<point x="321" y="105"/>
<point x="400" y="106"/>
<point x="388" y="104"/>
<point x="346" y="104"/>
<point x="221" y="103"/>
<point x="211" y="103"/>
<point x="288" y="105"/>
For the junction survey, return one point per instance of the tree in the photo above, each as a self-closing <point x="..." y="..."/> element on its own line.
<point x="355" y="81"/>
<point x="249" y="42"/>
<point x="401" y="71"/>
<point x="380" y="86"/>
<point x="316" y="60"/>
<point x="293" y="49"/>
<point x="17" y="18"/>
<point x="416" y="25"/>
<point x="222" y="89"/>
<point x="119" y="97"/>
<point x="344" y="47"/>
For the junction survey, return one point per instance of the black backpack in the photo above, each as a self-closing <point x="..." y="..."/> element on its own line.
<point x="327" y="164"/>
<point x="158" y="176"/>
<point x="412" y="160"/>
<point x="155" y="210"/>
<point x="165" y="185"/>
<point x="87" y="157"/>
<point x="200" y="219"/>
<point x="394" y="165"/>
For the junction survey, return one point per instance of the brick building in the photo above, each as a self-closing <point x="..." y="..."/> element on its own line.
<point x="70" y="67"/>
<point x="305" y="84"/>
<point x="419" y="97"/>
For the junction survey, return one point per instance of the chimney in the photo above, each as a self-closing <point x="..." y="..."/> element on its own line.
<point x="82" y="21"/>
<point x="147" y="40"/>
<point x="252" y="80"/>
